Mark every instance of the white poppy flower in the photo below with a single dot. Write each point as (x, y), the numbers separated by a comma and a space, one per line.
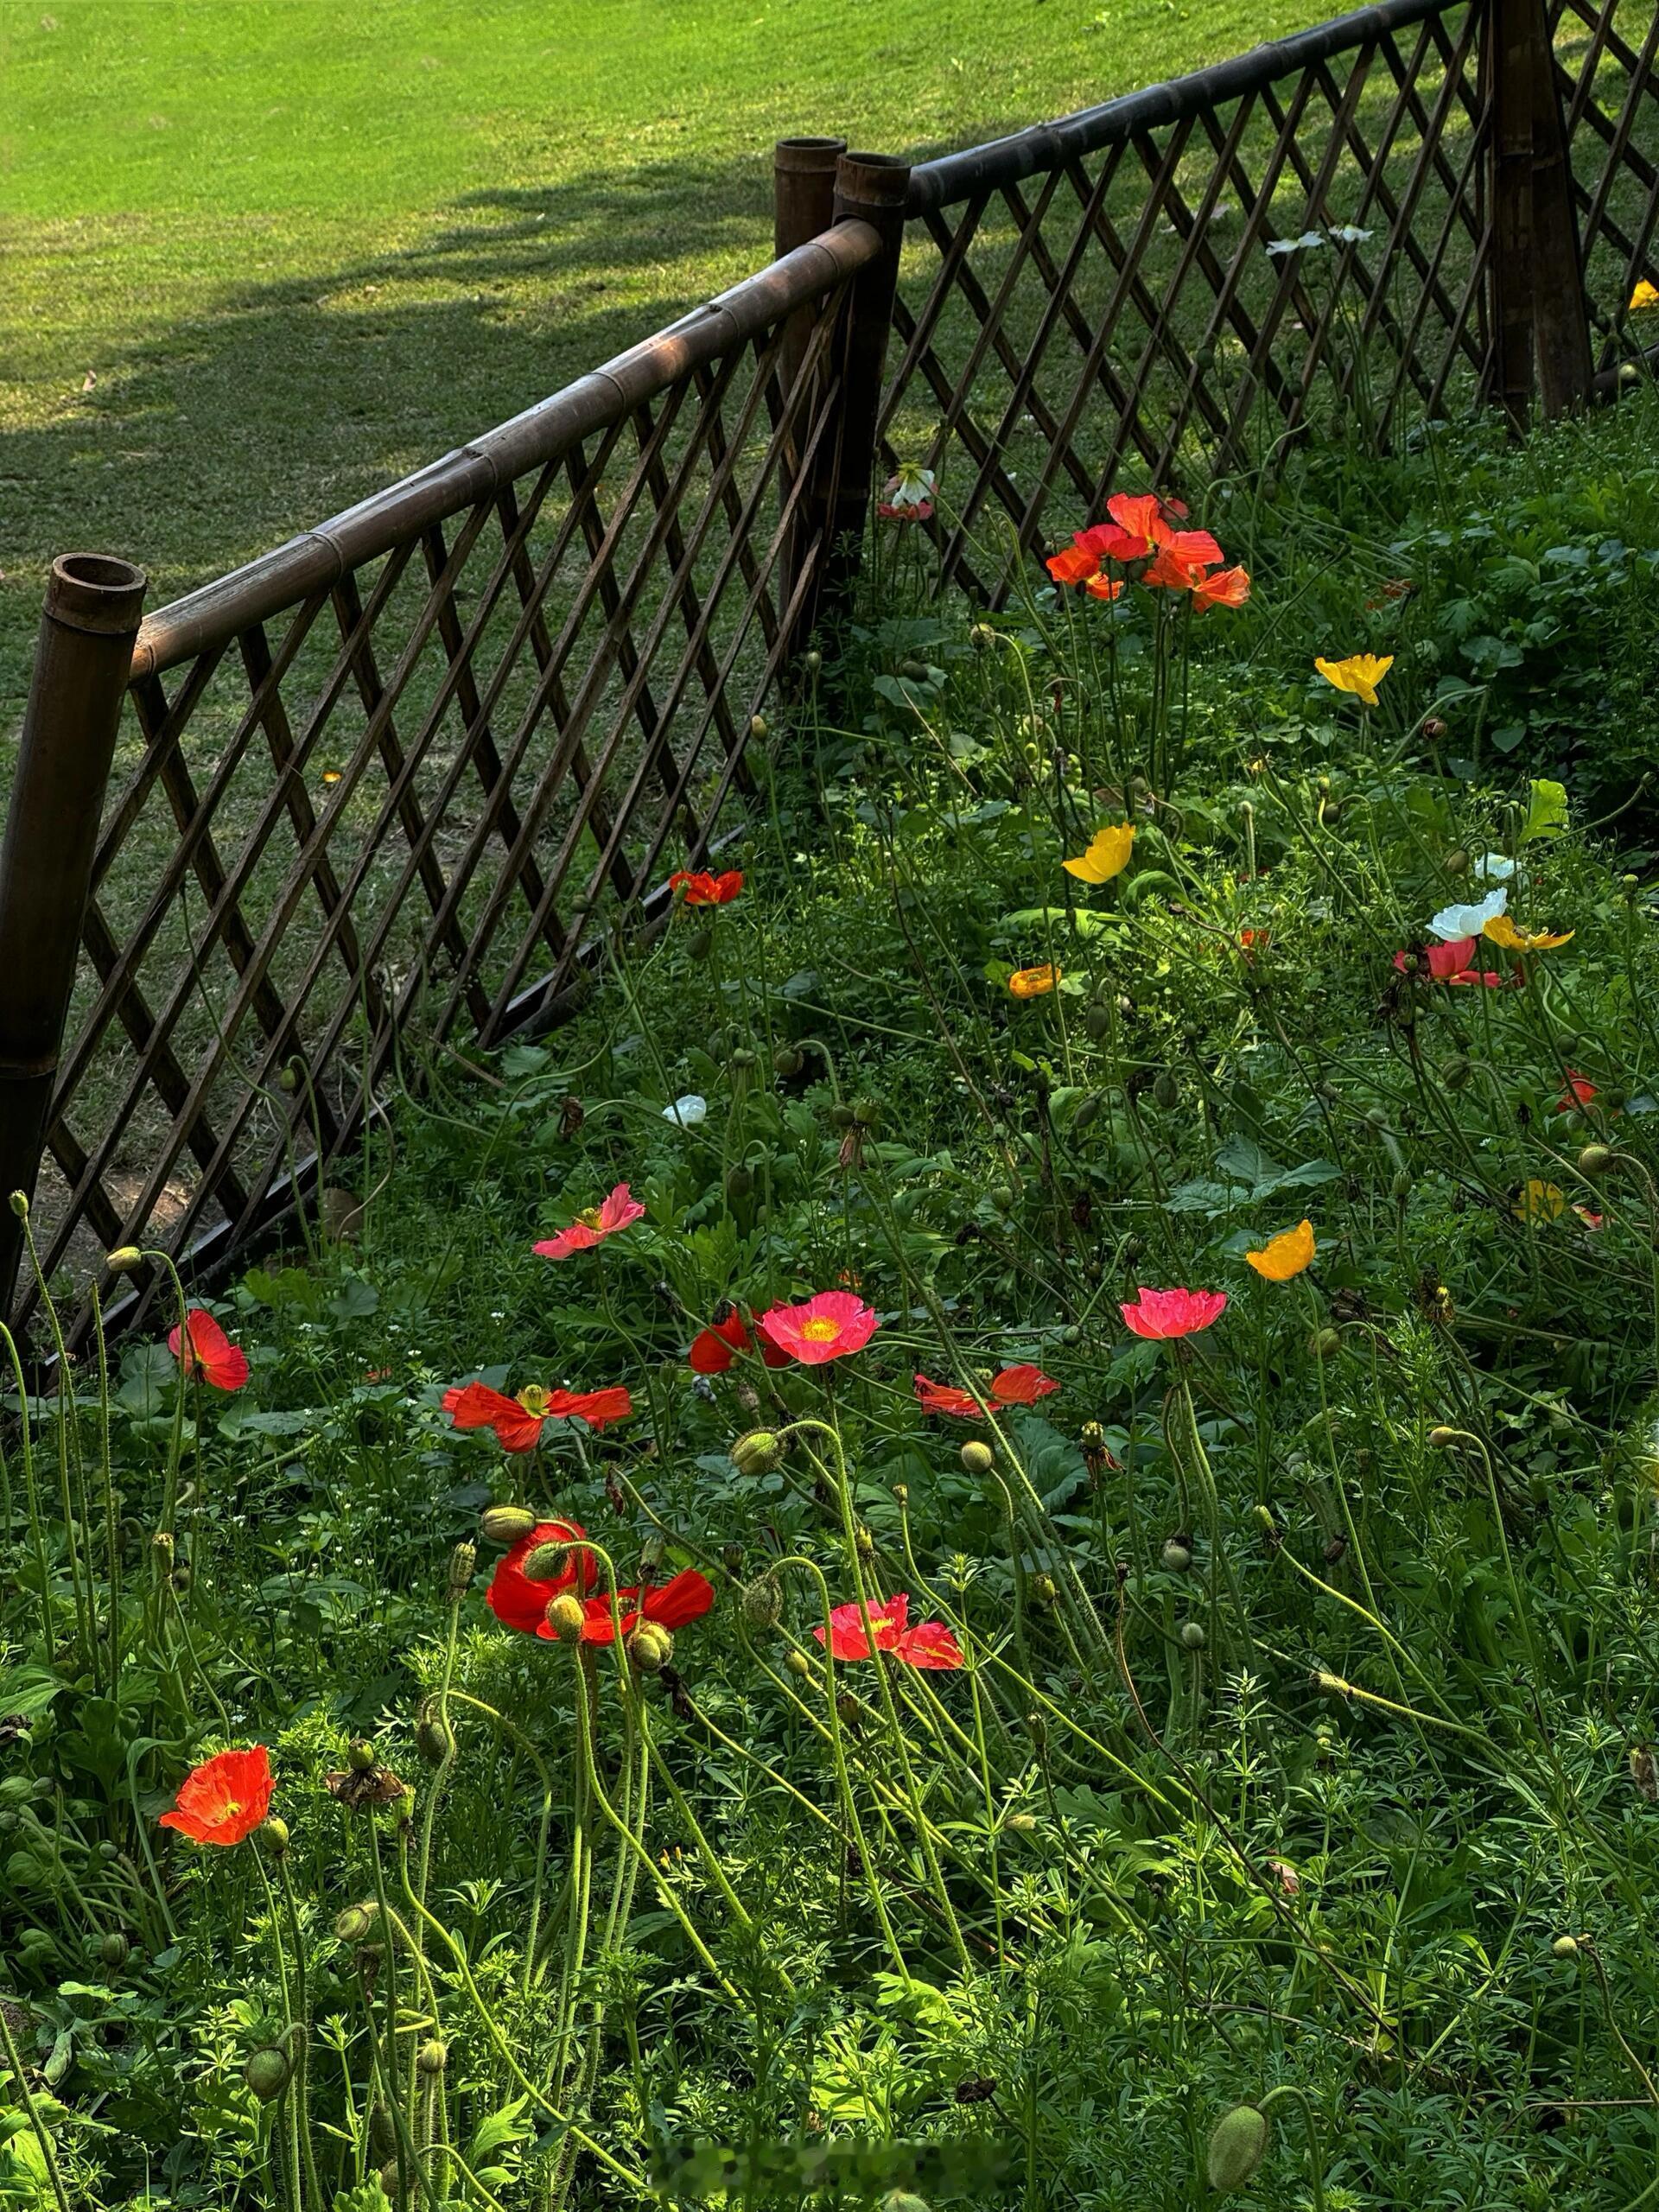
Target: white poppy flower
(1351, 234)
(1454, 922)
(1495, 867)
(688, 1113)
(1305, 243)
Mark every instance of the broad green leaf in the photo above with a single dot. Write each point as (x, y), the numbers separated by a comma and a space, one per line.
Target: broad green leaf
(1547, 815)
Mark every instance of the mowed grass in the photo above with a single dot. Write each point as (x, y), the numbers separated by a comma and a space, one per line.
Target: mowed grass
(262, 258)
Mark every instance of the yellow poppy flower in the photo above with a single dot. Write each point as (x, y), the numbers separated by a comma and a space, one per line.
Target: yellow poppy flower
(1286, 1255)
(1540, 1201)
(1360, 673)
(1032, 982)
(1108, 854)
(1502, 930)
(1644, 295)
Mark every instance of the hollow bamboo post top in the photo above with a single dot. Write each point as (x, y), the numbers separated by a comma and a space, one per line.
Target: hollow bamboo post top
(95, 592)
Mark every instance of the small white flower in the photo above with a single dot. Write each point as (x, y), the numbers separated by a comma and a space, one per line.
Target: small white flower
(1454, 922)
(1495, 867)
(1349, 234)
(688, 1113)
(1304, 244)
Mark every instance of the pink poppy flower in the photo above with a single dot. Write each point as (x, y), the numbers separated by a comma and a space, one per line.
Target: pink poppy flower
(1160, 1314)
(827, 1327)
(208, 1352)
(1449, 963)
(593, 1226)
(929, 1644)
(1015, 1386)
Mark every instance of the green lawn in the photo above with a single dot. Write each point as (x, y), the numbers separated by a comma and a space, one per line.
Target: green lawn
(261, 258)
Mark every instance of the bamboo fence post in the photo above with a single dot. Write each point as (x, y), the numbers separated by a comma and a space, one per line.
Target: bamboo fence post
(1539, 318)
(803, 205)
(82, 660)
(872, 188)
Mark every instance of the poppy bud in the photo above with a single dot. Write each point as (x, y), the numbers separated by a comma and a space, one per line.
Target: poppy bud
(565, 1617)
(272, 1832)
(901, 1491)
(1037, 1728)
(851, 1711)
(1045, 1589)
(19, 1204)
(798, 1663)
(432, 2056)
(462, 1559)
(1192, 1637)
(1097, 1021)
(1204, 360)
(115, 1950)
(1402, 1182)
(759, 1452)
(699, 944)
(763, 1603)
(1328, 1685)
(388, 2179)
(759, 729)
(743, 1061)
(1002, 1198)
(863, 1543)
(1176, 1557)
(183, 1576)
(739, 1181)
(977, 1458)
(867, 1112)
(360, 1755)
(841, 1115)
(123, 1259)
(354, 1923)
(651, 1647)
(731, 1557)
(546, 1562)
(1456, 1072)
(1087, 1113)
(1324, 1344)
(1238, 2143)
(1565, 1947)
(788, 1059)
(812, 662)
(435, 1739)
(1021, 1823)
(1165, 1089)
(1595, 1159)
(505, 1524)
(267, 2073)
(1441, 1439)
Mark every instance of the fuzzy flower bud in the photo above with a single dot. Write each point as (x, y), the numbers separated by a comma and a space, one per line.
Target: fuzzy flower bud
(354, 1923)
(1238, 2143)
(545, 1562)
(432, 2056)
(273, 1834)
(565, 1617)
(760, 1452)
(462, 1559)
(763, 1603)
(123, 1259)
(651, 1647)
(267, 2073)
(1595, 1159)
(505, 1524)
(977, 1458)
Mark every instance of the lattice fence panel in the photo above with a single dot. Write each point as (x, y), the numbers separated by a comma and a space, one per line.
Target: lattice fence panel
(1604, 55)
(398, 811)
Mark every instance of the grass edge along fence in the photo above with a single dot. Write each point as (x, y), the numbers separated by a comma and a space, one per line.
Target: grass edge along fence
(758, 424)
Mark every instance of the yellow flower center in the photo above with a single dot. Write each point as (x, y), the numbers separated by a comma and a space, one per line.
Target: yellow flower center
(590, 1219)
(533, 1399)
(880, 1620)
(228, 1811)
(820, 1329)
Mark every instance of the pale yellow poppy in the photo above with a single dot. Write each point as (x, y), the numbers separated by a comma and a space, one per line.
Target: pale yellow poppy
(1108, 854)
(1286, 1255)
(1360, 673)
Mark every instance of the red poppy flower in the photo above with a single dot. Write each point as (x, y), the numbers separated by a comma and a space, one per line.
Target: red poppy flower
(1107, 587)
(929, 1644)
(1072, 565)
(1137, 527)
(1226, 587)
(518, 1422)
(593, 1226)
(1015, 1386)
(1590, 1217)
(224, 1799)
(702, 889)
(686, 1599)
(714, 1348)
(520, 1600)
(1579, 1092)
(208, 1353)
(827, 1327)
(1162, 1313)
(1449, 963)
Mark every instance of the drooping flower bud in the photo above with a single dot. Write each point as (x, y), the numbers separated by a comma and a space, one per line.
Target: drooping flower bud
(977, 1458)
(546, 1562)
(1238, 2143)
(272, 1833)
(1595, 1159)
(1565, 1947)
(114, 1951)
(1441, 1439)
(1176, 1557)
(432, 2056)
(763, 1603)
(267, 2073)
(435, 1739)
(651, 1647)
(353, 1924)
(506, 1524)
(787, 1060)
(123, 1259)
(565, 1617)
(1192, 1637)
(798, 1663)
(759, 1452)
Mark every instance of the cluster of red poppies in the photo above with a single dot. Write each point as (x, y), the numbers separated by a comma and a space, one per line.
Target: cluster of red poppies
(1145, 541)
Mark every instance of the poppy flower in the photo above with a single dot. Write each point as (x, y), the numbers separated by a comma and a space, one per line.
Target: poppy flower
(1471, 919)
(1646, 294)
(1502, 930)
(1250, 941)
(1224, 588)
(827, 1327)
(1033, 983)
(1107, 587)
(518, 1421)
(201, 1347)
(1359, 674)
(907, 496)
(929, 1644)
(1591, 1219)
(1161, 1314)
(1449, 963)
(593, 1226)
(1141, 525)
(687, 1597)
(224, 1799)
(702, 889)
(1540, 1201)
(714, 1348)
(1579, 1092)
(1286, 1255)
(1015, 1386)
(520, 1598)
(1072, 565)
(1108, 854)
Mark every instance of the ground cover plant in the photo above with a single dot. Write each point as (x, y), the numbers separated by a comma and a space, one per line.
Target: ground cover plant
(987, 1540)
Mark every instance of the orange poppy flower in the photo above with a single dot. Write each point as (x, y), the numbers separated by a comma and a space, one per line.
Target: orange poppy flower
(518, 1422)
(1015, 1386)
(1107, 587)
(1286, 1255)
(1032, 982)
(1226, 587)
(224, 1799)
(201, 1347)
(702, 889)
(1072, 565)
